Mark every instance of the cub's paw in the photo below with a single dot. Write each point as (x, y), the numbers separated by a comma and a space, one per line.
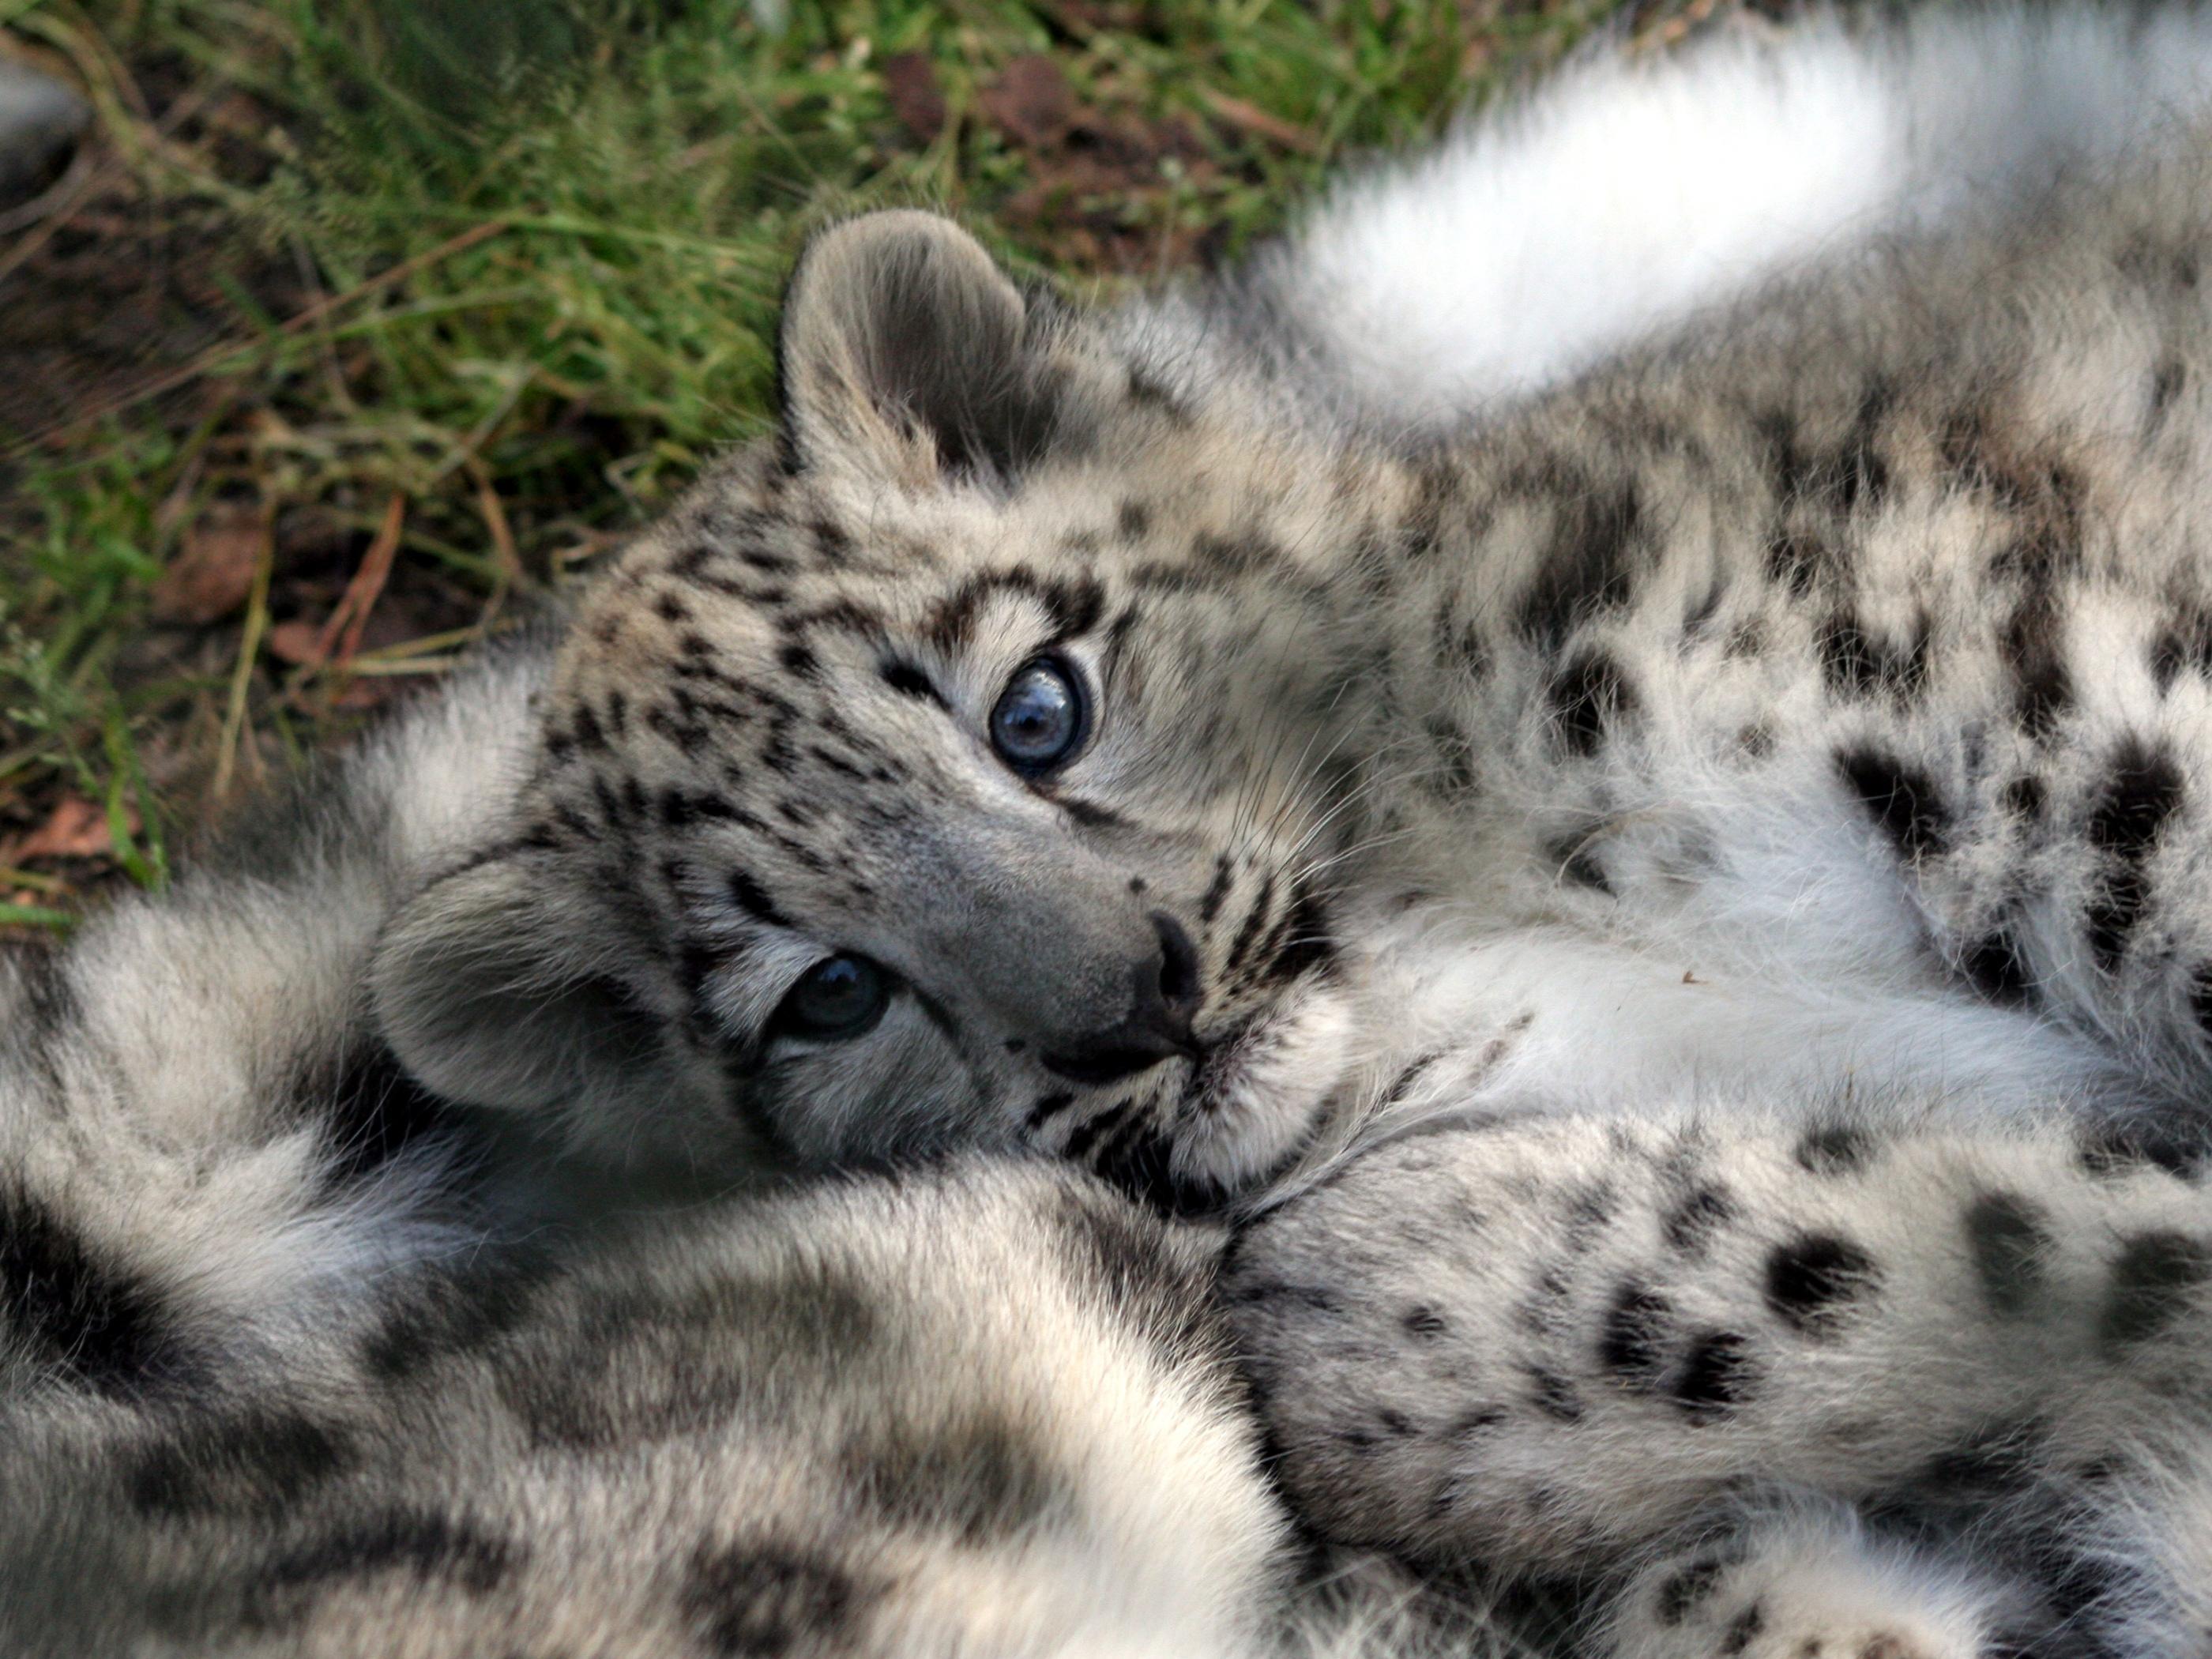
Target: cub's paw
(1458, 1351)
(1808, 1583)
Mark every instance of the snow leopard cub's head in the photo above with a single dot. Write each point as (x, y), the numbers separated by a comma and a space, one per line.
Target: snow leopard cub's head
(955, 769)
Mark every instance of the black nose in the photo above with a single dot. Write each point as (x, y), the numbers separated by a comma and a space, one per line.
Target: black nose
(1158, 1025)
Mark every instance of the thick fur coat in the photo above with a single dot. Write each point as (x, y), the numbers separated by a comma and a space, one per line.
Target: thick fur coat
(1518, 897)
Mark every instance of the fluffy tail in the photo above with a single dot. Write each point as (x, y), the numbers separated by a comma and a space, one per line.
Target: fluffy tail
(198, 1136)
(1623, 195)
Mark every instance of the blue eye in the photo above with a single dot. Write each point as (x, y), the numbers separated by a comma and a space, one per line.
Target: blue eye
(1040, 720)
(837, 998)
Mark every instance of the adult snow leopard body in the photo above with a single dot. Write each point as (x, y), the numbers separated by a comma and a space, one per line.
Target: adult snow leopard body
(1715, 707)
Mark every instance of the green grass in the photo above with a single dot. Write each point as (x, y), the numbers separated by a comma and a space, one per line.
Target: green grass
(503, 277)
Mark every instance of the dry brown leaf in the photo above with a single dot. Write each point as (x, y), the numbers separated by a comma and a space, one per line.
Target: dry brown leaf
(213, 570)
(358, 602)
(74, 830)
(368, 692)
(295, 642)
(910, 84)
(1030, 101)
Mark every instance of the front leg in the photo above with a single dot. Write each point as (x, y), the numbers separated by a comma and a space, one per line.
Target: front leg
(1543, 1344)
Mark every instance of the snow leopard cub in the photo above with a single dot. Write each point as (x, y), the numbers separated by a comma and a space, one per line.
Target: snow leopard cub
(1072, 736)
(1045, 744)
(824, 1423)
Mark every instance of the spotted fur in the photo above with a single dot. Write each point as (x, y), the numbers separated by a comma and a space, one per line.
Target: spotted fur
(1805, 694)
(1942, 1399)
(554, 1471)
(1653, 890)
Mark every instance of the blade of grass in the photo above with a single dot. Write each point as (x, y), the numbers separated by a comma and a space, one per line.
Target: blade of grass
(374, 668)
(425, 646)
(148, 864)
(35, 915)
(241, 679)
(508, 559)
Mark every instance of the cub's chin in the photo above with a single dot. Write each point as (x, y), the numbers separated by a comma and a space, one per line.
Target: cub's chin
(1265, 1095)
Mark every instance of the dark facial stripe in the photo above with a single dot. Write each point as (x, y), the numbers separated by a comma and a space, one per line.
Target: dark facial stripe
(752, 898)
(1087, 1135)
(1138, 1160)
(1073, 606)
(1216, 891)
(1299, 941)
(1090, 815)
(906, 679)
(1047, 1109)
(1255, 920)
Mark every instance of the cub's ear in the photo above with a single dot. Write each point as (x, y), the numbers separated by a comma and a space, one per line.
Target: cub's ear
(906, 353)
(494, 987)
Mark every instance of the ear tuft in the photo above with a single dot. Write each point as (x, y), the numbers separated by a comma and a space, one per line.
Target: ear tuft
(906, 350)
